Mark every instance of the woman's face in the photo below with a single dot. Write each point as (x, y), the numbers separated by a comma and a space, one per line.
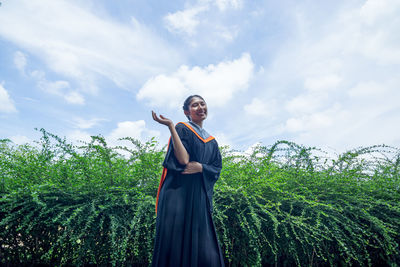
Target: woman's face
(197, 110)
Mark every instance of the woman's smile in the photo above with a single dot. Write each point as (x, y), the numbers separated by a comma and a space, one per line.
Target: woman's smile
(197, 110)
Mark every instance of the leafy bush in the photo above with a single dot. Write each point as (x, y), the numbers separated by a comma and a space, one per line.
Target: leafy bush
(286, 205)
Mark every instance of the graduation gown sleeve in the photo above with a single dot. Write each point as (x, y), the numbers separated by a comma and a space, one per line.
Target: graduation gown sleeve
(170, 161)
(211, 173)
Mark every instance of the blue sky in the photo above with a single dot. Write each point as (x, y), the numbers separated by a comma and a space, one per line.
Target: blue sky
(319, 73)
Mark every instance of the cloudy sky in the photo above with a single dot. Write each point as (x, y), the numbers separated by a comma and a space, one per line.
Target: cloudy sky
(319, 73)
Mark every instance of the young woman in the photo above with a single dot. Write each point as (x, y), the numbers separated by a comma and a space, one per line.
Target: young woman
(185, 232)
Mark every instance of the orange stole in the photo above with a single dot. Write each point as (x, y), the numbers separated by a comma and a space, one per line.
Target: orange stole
(194, 131)
(164, 173)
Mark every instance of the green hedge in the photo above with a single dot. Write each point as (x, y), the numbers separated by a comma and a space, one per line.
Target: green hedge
(284, 205)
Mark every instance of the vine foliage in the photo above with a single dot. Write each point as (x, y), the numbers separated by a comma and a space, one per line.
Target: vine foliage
(282, 205)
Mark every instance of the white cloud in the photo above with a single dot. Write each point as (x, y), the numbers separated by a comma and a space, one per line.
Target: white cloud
(316, 94)
(216, 83)
(80, 45)
(6, 103)
(184, 21)
(222, 5)
(55, 88)
(134, 129)
(85, 124)
(368, 115)
(346, 128)
(74, 97)
(259, 107)
(225, 4)
(20, 61)
(305, 103)
(163, 90)
(317, 120)
(223, 139)
(78, 135)
(367, 89)
(59, 88)
(225, 33)
(20, 139)
(373, 30)
(325, 82)
(336, 81)
(373, 10)
(200, 18)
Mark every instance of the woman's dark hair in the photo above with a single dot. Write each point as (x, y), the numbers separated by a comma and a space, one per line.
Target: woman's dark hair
(186, 104)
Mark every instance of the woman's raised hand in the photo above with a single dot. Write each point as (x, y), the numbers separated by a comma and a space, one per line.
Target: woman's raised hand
(179, 150)
(162, 119)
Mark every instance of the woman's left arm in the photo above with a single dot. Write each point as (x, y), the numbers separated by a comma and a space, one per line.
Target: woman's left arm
(212, 169)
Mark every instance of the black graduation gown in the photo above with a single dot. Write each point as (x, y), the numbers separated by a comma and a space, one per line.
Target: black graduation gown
(185, 232)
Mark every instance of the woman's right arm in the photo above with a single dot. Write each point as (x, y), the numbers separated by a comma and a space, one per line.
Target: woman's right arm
(179, 149)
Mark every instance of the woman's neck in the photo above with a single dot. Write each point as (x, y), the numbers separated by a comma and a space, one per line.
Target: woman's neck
(200, 123)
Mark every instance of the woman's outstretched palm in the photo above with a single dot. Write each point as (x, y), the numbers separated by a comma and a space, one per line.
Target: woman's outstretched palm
(161, 119)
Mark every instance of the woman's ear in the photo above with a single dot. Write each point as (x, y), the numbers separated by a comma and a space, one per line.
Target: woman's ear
(187, 113)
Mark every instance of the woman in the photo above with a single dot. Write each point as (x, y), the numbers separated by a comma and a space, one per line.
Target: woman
(185, 232)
